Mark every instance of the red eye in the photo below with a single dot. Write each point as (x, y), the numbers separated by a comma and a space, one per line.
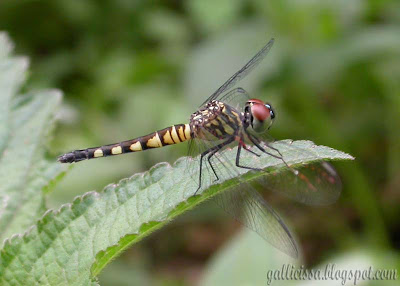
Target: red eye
(259, 110)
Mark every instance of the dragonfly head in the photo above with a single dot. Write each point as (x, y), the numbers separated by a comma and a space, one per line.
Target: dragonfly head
(260, 113)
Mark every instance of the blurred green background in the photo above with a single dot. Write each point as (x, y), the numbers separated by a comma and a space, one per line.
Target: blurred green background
(128, 68)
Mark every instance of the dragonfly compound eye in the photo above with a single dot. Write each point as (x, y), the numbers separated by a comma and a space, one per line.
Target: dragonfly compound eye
(271, 110)
(262, 115)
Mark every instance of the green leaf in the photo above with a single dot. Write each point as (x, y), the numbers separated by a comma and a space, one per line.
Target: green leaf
(25, 122)
(11, 76)
(72, 245)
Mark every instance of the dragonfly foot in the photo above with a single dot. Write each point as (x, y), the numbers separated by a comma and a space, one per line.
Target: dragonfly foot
(198, 189)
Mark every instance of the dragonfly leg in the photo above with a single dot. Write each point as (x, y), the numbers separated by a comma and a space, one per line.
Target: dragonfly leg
(276, 150)
(279, 152)
(238, 158)
(212, 167)
(257, 144)
(251, 151)
(212, 150)
(201, 168)
(254, 141)
(280, 157)
(212, 153)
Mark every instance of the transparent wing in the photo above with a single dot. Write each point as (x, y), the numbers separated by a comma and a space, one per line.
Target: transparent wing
(243, 72)
(247, 206)
(315, 184)
(312, 184)
(236, 98)
(242, 201)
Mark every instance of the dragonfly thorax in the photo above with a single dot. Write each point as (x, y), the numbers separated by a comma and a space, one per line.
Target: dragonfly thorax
(216, 119)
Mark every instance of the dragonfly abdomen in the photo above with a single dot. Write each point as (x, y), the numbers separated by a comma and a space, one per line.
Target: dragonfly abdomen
(168, 136)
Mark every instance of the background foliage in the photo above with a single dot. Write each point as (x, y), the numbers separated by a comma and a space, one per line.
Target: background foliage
(130, 67)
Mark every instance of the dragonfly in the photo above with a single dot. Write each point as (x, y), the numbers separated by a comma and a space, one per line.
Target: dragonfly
(230, 117)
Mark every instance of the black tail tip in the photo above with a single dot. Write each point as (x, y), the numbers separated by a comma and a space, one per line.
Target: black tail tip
(66, 158)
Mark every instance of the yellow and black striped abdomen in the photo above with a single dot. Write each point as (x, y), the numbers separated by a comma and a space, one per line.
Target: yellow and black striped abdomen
(167, 136)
